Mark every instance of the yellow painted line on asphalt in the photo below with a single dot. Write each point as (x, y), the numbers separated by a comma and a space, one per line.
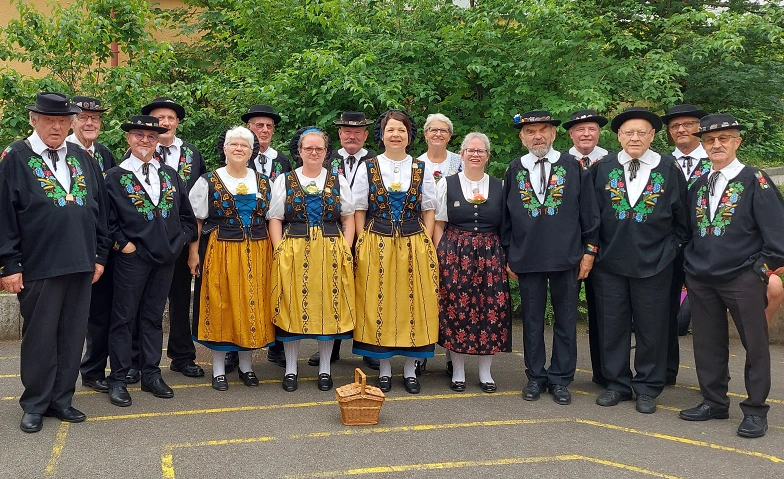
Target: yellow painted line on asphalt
(682, 440)
(730, 394)
(57, 450)
(167, 459)
(4, 376)
(2, 358)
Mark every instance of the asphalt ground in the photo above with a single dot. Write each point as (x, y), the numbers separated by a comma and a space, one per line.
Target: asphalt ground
(267, 432)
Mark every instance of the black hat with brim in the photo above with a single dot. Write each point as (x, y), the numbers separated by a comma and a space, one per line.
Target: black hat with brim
(164, 102)
(261, 110)
(682, 110)
(143, 122)
(584, 116)
(633, 113)
(88, 103)
(718, 122)
(353, 118)
(53, 104)
(533, 117)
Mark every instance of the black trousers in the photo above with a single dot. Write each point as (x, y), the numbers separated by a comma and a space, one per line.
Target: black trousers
(563, 297)
(181, 349)
(593, 332)
(673, 348)
(55, 312)
(96, 351)
(144, 286)
(618, 299)
(746, 298)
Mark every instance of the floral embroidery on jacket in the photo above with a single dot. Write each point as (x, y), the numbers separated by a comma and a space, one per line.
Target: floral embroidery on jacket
(724, 212)
(703, 168)
(52, 187)
(553, 196)
(645, 205)
(337, 166)
(186, 164)
(141, 200)
(761, 180)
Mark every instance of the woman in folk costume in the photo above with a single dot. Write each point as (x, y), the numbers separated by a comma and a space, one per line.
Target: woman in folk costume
(311, 222)
(231, 205)
(396, 266)
(474, 309)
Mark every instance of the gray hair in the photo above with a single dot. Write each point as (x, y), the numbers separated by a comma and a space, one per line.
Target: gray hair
(438, 117)
(34, 117)
(474, 135)
(239, 132)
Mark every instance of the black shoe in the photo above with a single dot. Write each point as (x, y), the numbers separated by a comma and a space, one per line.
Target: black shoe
(249, 379)
(133, 376)
(31, 422)
(532, 390)
(458, 386)
(290, 382)
(449, 368)
(420, 367)
(98, 385)
(412, 385)
(385, 383)
(371, 362)
(488, 387)
(646, 404)
(191, 370)
(119, 396)
(612, 398)
(231, 362)
(219, 383)
(69, 414)
(324, 382)
(753, 426)
(159, 388)
(561, 394)
(277, 358)
(704, 412)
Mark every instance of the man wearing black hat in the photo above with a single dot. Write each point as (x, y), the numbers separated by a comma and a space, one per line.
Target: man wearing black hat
(86, 128)
(150, 220)
(53, 245)
(549, 233)
(187, 161)
(736, 217)
(643, 224)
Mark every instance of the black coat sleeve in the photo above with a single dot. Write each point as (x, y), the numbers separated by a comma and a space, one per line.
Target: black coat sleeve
(187, 218)
(680, 212)
(768, 211)
(506, 219)
(10, 235)
(589, 213)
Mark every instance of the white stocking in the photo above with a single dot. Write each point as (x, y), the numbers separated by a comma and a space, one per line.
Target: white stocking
(291, 350)
(484, 369)
(384, 367)
(245, 361)
(458, 367)
(218, 364)
(325, 353)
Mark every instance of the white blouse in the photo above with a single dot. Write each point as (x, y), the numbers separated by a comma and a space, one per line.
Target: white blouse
(277, 208)
(392, 172)
(451, 165)
(467, 186)
(201, 190)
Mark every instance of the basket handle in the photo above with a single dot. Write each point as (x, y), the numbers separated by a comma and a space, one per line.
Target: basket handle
(358, 373)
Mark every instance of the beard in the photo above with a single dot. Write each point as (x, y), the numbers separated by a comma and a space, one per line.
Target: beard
(539, 150)
(143, 151)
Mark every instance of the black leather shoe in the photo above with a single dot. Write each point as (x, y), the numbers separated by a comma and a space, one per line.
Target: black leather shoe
(119, 396)
(249, 379)
(191, 370)
(31, 422)
(219, 383)
(290, 382)
(449, 368)
(277, 358)
(753, 426)
(159, 388)
(646, 404)
(412, 385)
(420, 366)
(704, 412)
(612, 398)
(561, 394)
(133, 376)
(488, 387)
(385, 383)
(231, 362)
(98, 385)
(458, 386)
(69, 414)
(372, 363)
(532, 390)
(324, 382)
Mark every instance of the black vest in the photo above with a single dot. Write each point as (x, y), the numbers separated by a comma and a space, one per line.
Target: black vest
(380, 210)
(296, 214)
(481, 218)
(224, 216)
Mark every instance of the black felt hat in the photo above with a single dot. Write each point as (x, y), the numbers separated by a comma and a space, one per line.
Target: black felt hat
(164, 102)
(353, 118)
(88, 103)
(532, 117)
(718, 122)
(143, 122)
(636, 112)
(584, 116)
(53, 104)
(683, 110)
(261, 110)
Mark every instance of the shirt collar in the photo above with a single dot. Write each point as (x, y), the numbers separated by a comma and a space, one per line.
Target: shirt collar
(362, 152)
(594, 155)
(137, 164)
(730, 171)
(646, 157)
(75, 140)
(38, 145)
(177, 143)
(271, 153)
(552, 156)
(698, 153)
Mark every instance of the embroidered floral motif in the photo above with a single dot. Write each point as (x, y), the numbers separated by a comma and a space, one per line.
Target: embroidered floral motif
(99, 158)
(141, 200)
(553, 196)
(703, 168)
(725, 210)
(186, 164)
(437, 175)
(52, 187)
(337, 166)
(645, 205)
(761, 180)
(4, 153)
(276, 171)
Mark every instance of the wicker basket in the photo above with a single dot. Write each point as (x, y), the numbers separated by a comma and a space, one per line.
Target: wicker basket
(360, 404)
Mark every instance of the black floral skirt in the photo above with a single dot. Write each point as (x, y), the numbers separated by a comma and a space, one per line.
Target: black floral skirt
(474, 309)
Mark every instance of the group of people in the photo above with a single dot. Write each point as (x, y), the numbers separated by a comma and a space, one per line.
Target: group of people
(393, 252)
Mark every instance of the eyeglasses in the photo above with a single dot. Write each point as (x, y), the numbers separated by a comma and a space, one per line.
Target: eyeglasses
(475, 151)
(586, 129)
(442, 131)
(86, 118)
(686, 124)
(313, 149)
(151, 137)
(240, 146)
(260, 124)
(639, 133)
(723, 139)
